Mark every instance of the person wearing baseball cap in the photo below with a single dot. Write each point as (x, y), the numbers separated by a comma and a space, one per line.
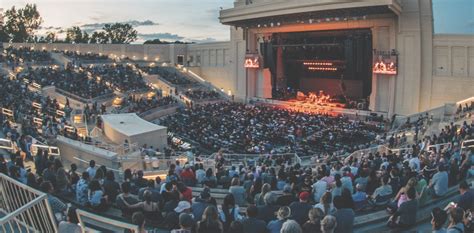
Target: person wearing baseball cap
(300, 209)
(172, 218)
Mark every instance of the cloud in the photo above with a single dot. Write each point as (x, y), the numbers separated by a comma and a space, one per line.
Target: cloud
(206, 40)
(161, 36)
(134, 23)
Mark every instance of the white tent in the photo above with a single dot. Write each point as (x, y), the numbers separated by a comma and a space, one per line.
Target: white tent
(130, 127)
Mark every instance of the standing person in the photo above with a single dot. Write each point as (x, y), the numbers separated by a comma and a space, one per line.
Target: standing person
(73, 176)
(91, 169)
(210, 222)
(283, 214)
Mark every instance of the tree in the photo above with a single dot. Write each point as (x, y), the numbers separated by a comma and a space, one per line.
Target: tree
(76, 35)
(98, 38)
(119, 33)
(50, 37)
(20, 24)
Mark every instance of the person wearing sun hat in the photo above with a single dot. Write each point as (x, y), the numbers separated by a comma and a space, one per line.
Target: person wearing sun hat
(300, 209)
(282, 215)
(172, 218)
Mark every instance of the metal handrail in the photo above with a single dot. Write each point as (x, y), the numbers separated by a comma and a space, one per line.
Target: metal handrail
(29, 207)
(81, 214)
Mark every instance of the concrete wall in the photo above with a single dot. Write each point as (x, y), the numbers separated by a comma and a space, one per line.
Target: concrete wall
(213, 62)
(139, 52)
(80, 154)
(453, 68)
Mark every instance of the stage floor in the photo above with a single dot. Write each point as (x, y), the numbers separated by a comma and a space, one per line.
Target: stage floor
(314, 108)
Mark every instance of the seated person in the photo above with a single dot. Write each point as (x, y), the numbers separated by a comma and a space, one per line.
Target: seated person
(405, 216)
(383, 192)
(466, 201)
(128, 197)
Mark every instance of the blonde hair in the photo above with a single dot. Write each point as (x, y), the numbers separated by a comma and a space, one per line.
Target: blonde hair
(328, 224)
(291, 226)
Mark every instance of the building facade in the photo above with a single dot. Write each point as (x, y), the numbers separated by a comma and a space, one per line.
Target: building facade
(432, 69)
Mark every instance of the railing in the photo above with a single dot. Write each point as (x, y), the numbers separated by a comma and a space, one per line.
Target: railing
(25, 209)
(232, 159)
(158, 108)
(84, 100)
(96, 223)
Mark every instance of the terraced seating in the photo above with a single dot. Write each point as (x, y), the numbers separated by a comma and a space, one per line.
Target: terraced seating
(376, 221)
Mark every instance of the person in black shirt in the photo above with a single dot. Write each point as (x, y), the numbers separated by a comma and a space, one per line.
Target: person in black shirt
(300, 209)
(466, 201)
(287, 198)
(252, 224)
(3, 165)
(111, 187)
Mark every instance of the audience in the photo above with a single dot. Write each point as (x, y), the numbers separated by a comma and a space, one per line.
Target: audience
(257, 129)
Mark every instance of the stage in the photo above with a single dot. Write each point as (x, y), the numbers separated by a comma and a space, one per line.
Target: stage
(314, 108)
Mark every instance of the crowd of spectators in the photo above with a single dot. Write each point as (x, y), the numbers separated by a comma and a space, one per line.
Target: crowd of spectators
(279, 195)
(15, 56)
(143, 104)
(200, 94)
(77, 56)
(170, 74)
(121, 77)
(241, 128)
(51, 118)
(70, 79)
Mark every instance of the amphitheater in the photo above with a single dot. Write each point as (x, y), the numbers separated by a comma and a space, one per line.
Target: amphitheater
(148, 112)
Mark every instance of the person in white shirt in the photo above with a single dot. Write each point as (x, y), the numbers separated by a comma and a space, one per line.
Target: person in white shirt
(414, 163)
(91, 169)
(319, 188)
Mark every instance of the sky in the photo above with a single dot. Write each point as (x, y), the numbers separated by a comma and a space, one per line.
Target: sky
(191, 20)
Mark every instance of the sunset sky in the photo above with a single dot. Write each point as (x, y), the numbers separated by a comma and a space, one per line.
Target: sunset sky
(191, 20)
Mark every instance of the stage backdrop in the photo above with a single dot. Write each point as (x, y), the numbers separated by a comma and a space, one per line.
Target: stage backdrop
(354, 88)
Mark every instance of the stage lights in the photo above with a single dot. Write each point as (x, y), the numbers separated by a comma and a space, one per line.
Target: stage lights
(317, 63)
(312, 68)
